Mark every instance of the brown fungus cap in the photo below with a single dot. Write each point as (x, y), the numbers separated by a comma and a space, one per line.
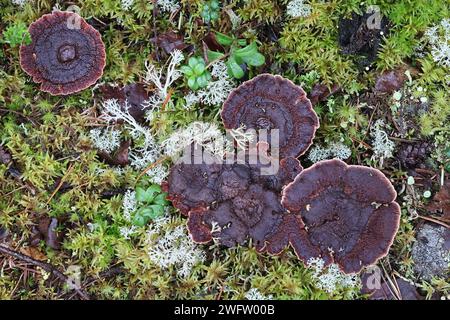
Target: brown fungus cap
(66, 54)
(291, 231)
(348, 211)
(232, 202)
(192, 186)
(273, 102)
(254, 214)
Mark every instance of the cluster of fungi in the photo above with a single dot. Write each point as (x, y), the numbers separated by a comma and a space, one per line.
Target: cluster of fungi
(66, 54)
(343, 214)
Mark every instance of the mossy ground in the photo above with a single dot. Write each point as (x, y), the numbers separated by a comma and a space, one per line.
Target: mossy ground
(48, 140)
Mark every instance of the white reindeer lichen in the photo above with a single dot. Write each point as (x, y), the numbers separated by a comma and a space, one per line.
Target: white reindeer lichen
(155, 75)
(129, 204)
(126, 4)
(255, 294)
(168, 5)
(203, 134)
(208, 136)
(173, 247)
(147, 151)
(20, 3)
(331, 278)
(106, 140)
(383, 148)
(298, 8)
(334, 150)
(439, 38)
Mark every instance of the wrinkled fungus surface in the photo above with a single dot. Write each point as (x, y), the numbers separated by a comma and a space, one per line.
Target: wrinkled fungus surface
(231, 202)
(66, 55)
(254, 214)
(349, 213)
(192, 186)
(273, 102)
(291, 231)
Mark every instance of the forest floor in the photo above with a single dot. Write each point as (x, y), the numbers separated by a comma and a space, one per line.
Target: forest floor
(73, 179)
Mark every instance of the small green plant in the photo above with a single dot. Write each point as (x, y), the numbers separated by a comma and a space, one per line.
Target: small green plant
(151, 203)
(308, 80)
(197, 74)
(239, 54)
(16, 35)
(210, 11)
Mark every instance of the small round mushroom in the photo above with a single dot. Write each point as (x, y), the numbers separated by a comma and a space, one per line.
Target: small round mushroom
(273, 102)
(348, 211)
(66, 54)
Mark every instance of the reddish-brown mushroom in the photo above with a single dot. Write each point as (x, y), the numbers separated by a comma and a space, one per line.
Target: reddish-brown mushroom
(348, 211)
(192, 186)
(232, 202)
(291, 231)
(254, 214)
(66, 54)
(273, 102)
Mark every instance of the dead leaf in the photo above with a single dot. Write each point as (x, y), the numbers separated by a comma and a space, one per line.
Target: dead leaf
(34, 253)
(388, 291)
(211, 42)
(134, 94)
(121, 155)
(390, 81)
(119, 158)
(321, 92)
(170, 41)
(48, 229)
(3, 233)
(441, 201)
(5, 156)
(112, 92)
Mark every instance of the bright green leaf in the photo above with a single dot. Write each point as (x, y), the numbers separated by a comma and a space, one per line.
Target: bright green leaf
(140, 194)
(247, 51)
(199, 68)
(223, 39)
(193, 62)
(202, 81)
(187, 70)
(214, 55)
(192, 83)
(242, 42)
(161, 199)
(234, 69)
(256, 60)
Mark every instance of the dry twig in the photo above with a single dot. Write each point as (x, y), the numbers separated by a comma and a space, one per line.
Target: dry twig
(45, 266)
